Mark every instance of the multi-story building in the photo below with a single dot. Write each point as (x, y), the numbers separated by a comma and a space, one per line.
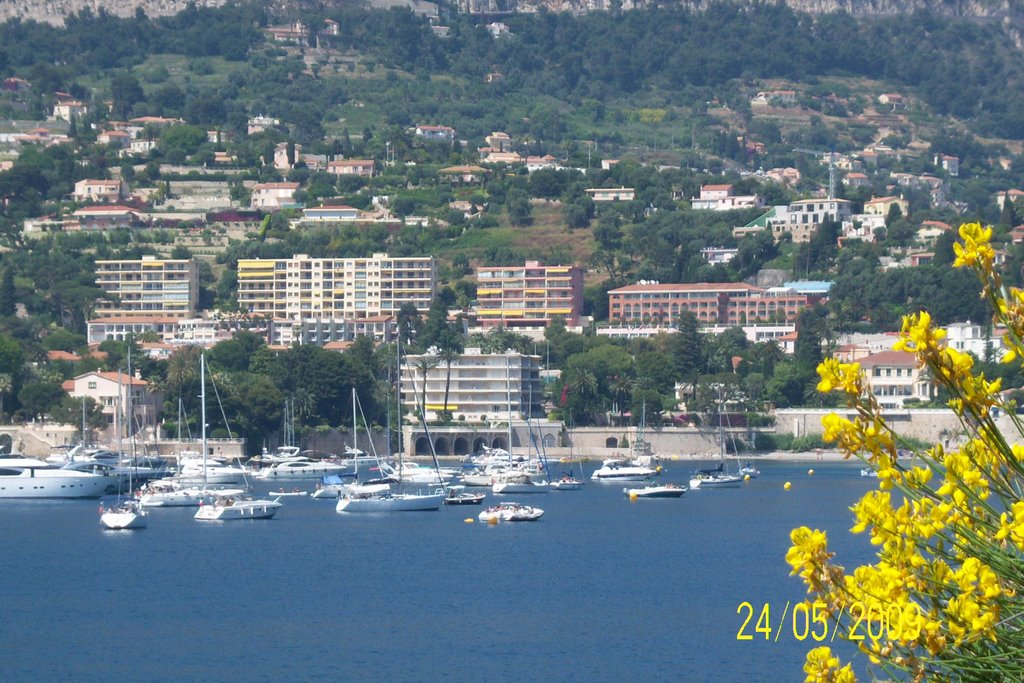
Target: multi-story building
(726, 303)
(801, 219)
(274, 196)
(482, 387)
(360, 167)
(721, 198)
(110, 390)
(321, 331)
(347, 288)
(894, 376)
(148, 286)
(528, 296)
(98, 191)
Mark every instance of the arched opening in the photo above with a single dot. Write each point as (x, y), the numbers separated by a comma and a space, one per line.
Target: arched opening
(479, 444)
(422, 446)
(611, 442)
(499, 442)
(549, 441)
(460, 446)
(442, 446)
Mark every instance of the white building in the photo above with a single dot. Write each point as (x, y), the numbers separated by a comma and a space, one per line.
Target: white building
(482, 386)
(721, 198)
(90, 190)
(894, 376)
(983, 343)
(110, 391)
(274, 196)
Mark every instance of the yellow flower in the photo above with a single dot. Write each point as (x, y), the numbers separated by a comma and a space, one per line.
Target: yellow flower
(918, 335)
(823, 667)
(976, 248)
(836, 375)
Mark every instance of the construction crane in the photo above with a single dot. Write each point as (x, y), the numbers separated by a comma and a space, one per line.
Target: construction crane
(831, 166)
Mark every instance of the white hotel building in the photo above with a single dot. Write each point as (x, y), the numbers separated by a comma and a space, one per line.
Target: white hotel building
(482, 386)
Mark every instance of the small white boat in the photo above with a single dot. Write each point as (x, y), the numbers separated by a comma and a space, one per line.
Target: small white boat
(620, 469)
(128, 515)
(566, 483)
(869, 472)
(226, 508)
(169, 493)
(748, 470)
(656, 491)
(293, 493)
(518, 483)
(391, 502)
(508, 511)
(458, 495)
(715, 480)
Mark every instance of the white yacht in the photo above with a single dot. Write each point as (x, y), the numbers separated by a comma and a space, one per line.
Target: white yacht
(391, 502)
(169, 493)
(303, 468)
(414, 473)
(226, 508)
(714, 479)
(518, 483)
(128, 515)
(620, 469)
(508, 511)
(210, 473)
(32, 478)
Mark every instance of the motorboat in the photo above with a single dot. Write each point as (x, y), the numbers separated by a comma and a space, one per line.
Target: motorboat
(301, 469)
(211, 473)
(507, 511)
(622, 470)
(129, 514)
(32, 478)
(656, 491)
(458, 495)
(869, 472)
(295, 492)
(518, 483)
(226, 508)
(414, 473)
(169, 493)
(390, 502)
(748, 470)
(332, 486)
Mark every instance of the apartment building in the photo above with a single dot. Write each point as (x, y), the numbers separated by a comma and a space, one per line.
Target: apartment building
(346, 288)
(148, 287)
(725, 303)
(528, 296)
(110, 391)
(894, 376)
(482, 387)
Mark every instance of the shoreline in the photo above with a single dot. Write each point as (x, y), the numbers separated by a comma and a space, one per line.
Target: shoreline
(829, 456)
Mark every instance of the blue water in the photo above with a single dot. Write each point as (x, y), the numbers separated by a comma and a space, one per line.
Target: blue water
(601, 589)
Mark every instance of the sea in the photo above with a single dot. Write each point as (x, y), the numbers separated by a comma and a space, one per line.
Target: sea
(600, 589)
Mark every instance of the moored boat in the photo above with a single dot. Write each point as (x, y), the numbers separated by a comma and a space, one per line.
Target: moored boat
(656, 491)
(127, 515)
(507, 511)
(31, 478)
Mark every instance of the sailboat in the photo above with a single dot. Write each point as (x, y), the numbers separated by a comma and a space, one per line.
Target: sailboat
(228, 505)
(716, 477)
(127, 514)
(518, 479)
(171, 492)
(386, 501)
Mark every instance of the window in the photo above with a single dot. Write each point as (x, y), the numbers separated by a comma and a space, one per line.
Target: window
(92, 385)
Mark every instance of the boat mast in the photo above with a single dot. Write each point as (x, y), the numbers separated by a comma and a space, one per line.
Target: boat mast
(508, 398)
(355, 433)
(202, 384)
(398, 386)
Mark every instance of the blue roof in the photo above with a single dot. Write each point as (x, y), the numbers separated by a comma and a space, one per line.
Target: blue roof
(809, 286)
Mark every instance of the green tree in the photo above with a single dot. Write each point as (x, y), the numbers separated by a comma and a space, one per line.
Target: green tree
(6, 385)
(7, 293)
(37, 398)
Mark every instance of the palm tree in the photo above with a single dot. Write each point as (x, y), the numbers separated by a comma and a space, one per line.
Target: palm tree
(448, 355)
(424, 364)
(620, 386)
(6, 384)
(583, 384)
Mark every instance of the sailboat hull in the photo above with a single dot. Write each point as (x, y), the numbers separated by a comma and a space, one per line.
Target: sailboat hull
(398, 502)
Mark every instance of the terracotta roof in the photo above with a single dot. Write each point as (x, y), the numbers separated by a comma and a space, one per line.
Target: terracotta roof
(694, 286)
(57, 354)
(116, 320)
(715, 188)
(894, 358)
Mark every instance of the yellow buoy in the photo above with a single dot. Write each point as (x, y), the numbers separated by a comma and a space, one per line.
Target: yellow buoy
(493, 519)
(658, 468)
(810, 472)
(468, 520)
(633, 497)
(746, 477)
(787, 486)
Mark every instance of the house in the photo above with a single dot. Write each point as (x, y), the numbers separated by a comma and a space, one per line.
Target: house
(921, 258)
(281, 162)
(115, 138)
(273, 196)
(784, 176)
(856, 179)
(66, 110)
(502, 158)
(359, 167)
(499, 141)
(258, 124)
(721, 198)
(984, 343)
(142, 147)
(537, 163)
(498, 29)
(1017, 234)
(611, 194)
(881, 206)
(894, 376)
(775, 98)
(15, 84)
(107, 217)
(893, 100)
(716, 255)
(862, 227)
(90, 190)
(949, 164)
(156, 121)
(331, 28)
(110, 391)
(329, 214)
(224, 158)
(464, 174)
(295, 33)
(931, 230)
(800, 219)
(1012, 195)
(435, 132)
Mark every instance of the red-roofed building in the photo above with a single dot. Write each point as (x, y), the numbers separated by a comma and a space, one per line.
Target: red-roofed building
(58, 355)
(90, 190)
(109, 390)
(360, 167)
(107, 217)
(727, 303)
(274, 196)
(894, 376)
